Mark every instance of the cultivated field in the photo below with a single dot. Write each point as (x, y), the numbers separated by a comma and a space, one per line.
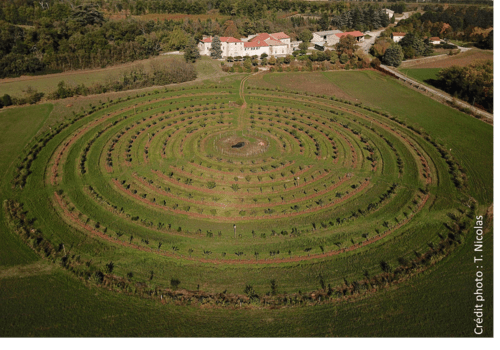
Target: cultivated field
(461, 59)
(332, 180)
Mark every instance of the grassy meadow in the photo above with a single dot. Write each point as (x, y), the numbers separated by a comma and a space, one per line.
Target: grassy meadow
(206, 68)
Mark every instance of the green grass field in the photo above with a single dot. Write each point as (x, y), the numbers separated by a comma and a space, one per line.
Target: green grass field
(410, 308)
(422, 75)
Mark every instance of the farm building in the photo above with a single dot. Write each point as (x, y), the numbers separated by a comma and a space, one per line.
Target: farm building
(360, 37)
(389, 13)
(277, 44)
(397, 36)
(327, 37)
(435, 40)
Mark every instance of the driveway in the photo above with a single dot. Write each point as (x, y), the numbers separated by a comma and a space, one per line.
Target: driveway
(367, 43)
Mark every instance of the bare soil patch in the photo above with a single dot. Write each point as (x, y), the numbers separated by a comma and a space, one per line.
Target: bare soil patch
(239, 146)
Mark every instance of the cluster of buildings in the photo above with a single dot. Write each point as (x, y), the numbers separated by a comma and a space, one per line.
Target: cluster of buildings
(280, 44)
(275, 44)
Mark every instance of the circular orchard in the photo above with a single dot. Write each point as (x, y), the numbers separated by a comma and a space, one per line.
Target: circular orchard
(222, 188)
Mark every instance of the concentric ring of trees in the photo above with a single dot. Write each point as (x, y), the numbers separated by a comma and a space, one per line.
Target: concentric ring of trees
(321, 191)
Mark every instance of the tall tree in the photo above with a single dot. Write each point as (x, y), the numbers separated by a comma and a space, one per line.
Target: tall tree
(216, 50)
(393, 56)
(191, 52)
(324, 22)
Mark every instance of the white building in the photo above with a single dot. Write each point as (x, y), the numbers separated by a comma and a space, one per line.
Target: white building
(360, 37)
(230, 46)
(390, 13)
(397, 36)
(435, 40)
(276, 44)
(327, 37)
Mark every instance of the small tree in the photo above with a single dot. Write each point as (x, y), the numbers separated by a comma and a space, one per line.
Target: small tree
(344, 58)
(305, 35)
(248, 63)
(334, 58)
(303, 46)
(174, 283)
(216, 50)
(110, 267)
(272, 61)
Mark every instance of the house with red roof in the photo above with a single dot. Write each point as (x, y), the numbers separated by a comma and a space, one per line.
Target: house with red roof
(275, 44)
(360, 37)
(397, 36)
(230, 46)
(435, 40)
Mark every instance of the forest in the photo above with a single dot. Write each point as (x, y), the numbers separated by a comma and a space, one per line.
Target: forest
(53, 36)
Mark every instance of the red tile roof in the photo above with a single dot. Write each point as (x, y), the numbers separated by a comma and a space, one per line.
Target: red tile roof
(398, 34)
(257, 43)
(225, 39)
(260, 36)
(274, 36)
(280, 35)
(270, 41)
(355, 34)
(434, 38)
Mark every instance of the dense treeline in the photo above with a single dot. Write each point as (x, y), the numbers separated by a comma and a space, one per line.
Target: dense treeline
(472, 83)
(64, 37)
(55, 36)
(172, 71)
(459, 17)
(27, 11)
(464, 23)
(361, 19)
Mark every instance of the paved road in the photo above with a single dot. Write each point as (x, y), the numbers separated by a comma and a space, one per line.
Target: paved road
(367, 43)
(423, 88)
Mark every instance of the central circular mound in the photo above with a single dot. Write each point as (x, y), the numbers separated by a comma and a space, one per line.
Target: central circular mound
(286, 178)
(241, 144)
